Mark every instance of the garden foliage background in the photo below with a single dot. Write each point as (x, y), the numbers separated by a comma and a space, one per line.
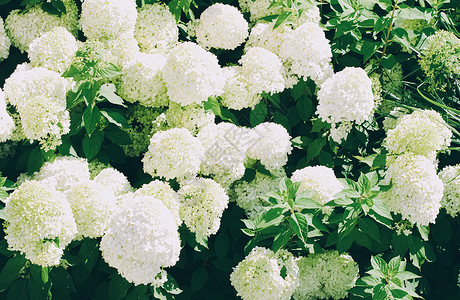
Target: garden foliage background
(386, 38)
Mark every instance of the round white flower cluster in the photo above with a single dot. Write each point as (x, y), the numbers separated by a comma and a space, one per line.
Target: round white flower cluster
(6, 121)
(326, 275)
(38, 219)
(108, 19)
(225, 147)
(163, 192)
(416, 190)
(192, 74)
(24, 27)
(191, 117)
(174, 153)
(249, 195)
(450, 176)
(320, 179)
(262, 70)
(93, 204)
(237, 93)
(114, 180)
(5, 42)
(266, 36)
(123, 49)
(141, 239)
(54, 50)
(221, 26)
(259, 275)
(308, 52)
(270, 143)
(421, 133)
(202, 203)
(141, 80)
(156, 28)
(39, 95)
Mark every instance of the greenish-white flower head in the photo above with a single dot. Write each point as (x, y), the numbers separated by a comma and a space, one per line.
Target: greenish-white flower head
(6, 121)
(114, 180)
(191, 117)
(237, 92)
(5, 42)
(450, 177)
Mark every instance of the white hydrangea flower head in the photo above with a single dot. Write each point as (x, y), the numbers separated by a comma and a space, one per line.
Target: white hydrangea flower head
(221, 26)
(225, 147)
(5, 42)
(259, 275)
(416, 189)
(174, 153)
(327, 275)
(421, 133)
(54, 50)
(37, 217)
(191, 117)
(24, 27)
(346, 97)
(270, 143)
(263, 71)
(163, 192)
(114, 180)
(249, 195)
(266, 36)
(192, 74)
(123, 49)
(141, 239)
(320, 179)
(93, 204)
(141, 80)
(308, 51)
(156, 29)
(63, 172)
(340, 131)
(39, 95)
(202, 203)
(237, 92)
(450, 176)
(108, 19)
(6, 121)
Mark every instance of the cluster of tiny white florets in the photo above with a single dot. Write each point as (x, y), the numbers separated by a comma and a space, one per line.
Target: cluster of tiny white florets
(108, 19)
(63, 172)
(250, 195)
(270, 143)
(39, 95)
(93, 204)
(156, 28)
(202, 203)
(141, 80)
(174, 153)
(123, 49)
(320, 179)
(24, 27)
(225, 147)
(5, 42)
(308, 52)
(327, 275)
(421, 133)
(163, 192)
(38, 220)
(54, 50)
(450, 177)
(266, 36)
(141, 239)
(192, 117)
(114, 180)
(237, 93)
(260, 275)
(221, 26)
(340, 131)
(416, 190)
(192, 74)
(262, 70)
(6, 121)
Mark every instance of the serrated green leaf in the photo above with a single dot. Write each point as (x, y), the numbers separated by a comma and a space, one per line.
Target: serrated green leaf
(114, 116)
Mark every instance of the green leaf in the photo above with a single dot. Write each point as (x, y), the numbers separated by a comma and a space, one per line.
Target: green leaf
(281, 18)
(406, 275)
(380, 212)
(171, 286)
(198, 279)
(378, 263)
(110, 71)
(299, 226)
(274, 99)
(213, 105)
(364, 184)
(114, 116)
(35, 160)
(424, 231)
(272, 217)
(118, 287)
(388, 61)
(62, 280)
(138, 293)
(304, 107)
(368, 49)
(394, 263)
(59, 6)
(315, 148)
(221, 245)
(11, 271)
(92, 145)
(108, 92)
(91, 118)
(398, 294)
(18, 290)
(306, 203)
(298, 90)
(370, 228)
(118, 136)
(258, 114)
(281, 239)
(49, 8)
(89, 251)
